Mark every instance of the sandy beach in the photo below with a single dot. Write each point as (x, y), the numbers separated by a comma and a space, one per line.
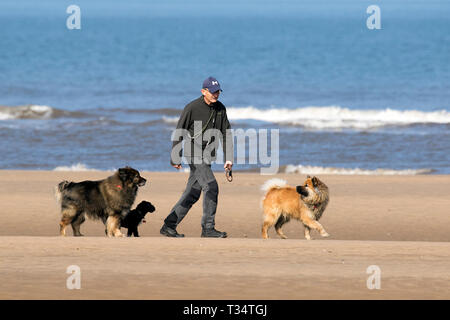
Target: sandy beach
(399, 223)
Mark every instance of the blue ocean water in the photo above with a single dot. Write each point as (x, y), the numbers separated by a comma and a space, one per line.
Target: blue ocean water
(343, 97)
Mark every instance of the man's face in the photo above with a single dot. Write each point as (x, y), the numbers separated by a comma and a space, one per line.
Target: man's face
(210, 97)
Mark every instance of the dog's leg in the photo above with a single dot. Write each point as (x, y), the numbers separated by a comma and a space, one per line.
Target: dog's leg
(76, 225)
(322, 231)
(313, 224)
(135, 232)
(116, 229)
(109, 224)
(104, 219)
(62, 227)
(266, 225)
(269, 220)
(324, 234)
(307, 230)
(68, 214)
(112, 226)
(281, 220)
(130, 231)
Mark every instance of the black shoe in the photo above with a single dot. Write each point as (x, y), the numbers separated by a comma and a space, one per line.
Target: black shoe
(170, 232)
(213, 233)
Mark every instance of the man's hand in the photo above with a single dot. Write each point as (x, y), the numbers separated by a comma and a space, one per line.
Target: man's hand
(177, 166)
(228, 165)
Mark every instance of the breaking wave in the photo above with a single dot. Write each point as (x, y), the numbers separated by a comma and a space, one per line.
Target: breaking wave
(320, 118)
(74, 167)
(335, 117)
(301, 169)
(35, 112)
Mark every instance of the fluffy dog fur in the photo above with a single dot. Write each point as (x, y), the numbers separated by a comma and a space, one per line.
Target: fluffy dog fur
(134, 218)
(104, 200)
(305, 203)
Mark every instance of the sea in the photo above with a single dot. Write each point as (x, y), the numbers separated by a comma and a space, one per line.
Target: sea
(342, 97)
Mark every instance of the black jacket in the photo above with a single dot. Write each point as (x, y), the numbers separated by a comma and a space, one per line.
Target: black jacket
(209, 117)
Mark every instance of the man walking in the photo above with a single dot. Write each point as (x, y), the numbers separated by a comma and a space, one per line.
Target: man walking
(199, 118)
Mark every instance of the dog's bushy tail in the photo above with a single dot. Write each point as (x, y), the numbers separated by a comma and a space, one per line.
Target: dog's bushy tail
(273, 183)
(59, 189)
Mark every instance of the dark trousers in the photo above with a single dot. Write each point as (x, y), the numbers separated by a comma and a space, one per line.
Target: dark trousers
(200, 179)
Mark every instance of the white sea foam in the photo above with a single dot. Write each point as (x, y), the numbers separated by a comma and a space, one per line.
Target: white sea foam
(170, 119)
(26, 112)
(335, 117)
(75, 167)
(349, 171)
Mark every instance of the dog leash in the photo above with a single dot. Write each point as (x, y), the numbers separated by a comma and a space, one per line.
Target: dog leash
(229, 174)
(198, 134)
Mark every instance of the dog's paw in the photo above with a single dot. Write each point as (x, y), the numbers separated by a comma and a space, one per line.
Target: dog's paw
(324, 234)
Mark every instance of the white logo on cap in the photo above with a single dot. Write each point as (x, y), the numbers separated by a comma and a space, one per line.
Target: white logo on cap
(214, 82)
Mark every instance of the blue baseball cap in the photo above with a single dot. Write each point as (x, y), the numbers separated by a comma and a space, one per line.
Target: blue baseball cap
(211, 84)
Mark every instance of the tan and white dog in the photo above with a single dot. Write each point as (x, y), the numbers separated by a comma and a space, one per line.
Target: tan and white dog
(306, 203)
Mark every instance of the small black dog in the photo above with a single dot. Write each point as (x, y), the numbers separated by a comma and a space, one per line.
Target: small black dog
(134, 218)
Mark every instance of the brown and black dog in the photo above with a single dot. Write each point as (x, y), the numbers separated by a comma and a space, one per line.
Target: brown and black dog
(306, 203)
(105, 200)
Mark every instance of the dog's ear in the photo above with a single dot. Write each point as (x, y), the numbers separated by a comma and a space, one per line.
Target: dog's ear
(302, 190)
(123, 174)
(308, 176)
(315, 181)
